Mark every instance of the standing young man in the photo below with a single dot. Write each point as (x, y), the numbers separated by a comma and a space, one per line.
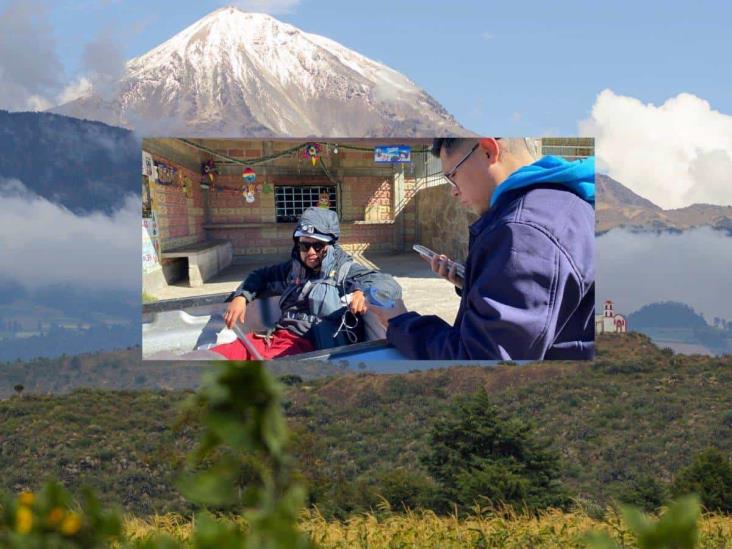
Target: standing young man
(529, 281)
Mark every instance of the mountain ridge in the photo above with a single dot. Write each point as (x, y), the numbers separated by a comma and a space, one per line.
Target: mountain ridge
(84, 166)
(239, 73)
(617, 206)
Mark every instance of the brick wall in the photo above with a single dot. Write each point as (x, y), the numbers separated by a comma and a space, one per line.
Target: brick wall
(180, 219)
(366, 199)
(409, 213)
(276, 240)
(227, 203)
(367, 204)
(442, 222)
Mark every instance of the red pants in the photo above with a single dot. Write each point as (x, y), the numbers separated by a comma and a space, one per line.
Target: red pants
(282, 343)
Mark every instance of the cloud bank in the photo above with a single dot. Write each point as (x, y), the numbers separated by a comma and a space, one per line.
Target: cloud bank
(30, 70)
(43, 244)
(104, 64)
(675, 154)
(635, 269)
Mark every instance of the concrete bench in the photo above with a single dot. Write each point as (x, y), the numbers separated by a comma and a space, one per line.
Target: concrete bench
(205, 259)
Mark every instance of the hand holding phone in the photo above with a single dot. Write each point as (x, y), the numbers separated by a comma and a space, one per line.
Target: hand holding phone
(442, 265)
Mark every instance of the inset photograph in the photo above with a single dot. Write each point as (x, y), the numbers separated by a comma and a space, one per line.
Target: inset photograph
(376, 251)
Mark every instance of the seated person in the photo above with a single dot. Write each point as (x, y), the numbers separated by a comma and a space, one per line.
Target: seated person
(312, 284)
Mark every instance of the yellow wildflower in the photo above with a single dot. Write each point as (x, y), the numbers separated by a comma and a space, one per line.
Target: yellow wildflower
(71, 524)
(55, 516)
(26, 498)
(23, 520)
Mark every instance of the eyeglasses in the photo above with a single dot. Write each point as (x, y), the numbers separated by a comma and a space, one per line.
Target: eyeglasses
(317, 246)
(449, 175)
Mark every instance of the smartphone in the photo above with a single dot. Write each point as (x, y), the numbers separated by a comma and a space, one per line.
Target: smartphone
(425, 252)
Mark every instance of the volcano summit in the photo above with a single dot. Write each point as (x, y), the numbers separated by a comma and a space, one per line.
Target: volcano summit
(235, 73)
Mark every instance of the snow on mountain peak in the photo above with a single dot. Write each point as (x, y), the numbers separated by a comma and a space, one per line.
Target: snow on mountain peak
(240, 73)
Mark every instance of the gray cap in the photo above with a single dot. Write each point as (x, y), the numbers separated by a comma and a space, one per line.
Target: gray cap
(318, 223)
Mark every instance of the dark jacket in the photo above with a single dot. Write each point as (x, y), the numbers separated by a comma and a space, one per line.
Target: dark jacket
(277, 280)
(529, 286)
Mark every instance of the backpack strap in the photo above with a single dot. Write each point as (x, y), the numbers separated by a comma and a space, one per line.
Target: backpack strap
(343, 272)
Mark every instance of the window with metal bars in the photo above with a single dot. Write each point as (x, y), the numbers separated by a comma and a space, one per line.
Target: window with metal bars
(292, 200)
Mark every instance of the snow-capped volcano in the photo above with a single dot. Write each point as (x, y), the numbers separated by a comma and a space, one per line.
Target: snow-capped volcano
(235, 73)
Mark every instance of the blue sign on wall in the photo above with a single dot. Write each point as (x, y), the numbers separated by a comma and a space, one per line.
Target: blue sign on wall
(393, 153)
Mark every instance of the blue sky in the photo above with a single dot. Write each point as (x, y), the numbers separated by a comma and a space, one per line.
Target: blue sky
(651, 81)
(499, 67)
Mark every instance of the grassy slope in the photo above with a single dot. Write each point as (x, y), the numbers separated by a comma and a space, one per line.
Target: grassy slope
(636, 411)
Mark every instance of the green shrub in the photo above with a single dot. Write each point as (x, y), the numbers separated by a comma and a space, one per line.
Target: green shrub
(479, 456)
(709, 476)
(404, 488)
(644, 492)
(727, 419)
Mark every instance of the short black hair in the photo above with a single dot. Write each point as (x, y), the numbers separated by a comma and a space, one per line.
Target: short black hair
(450, 144)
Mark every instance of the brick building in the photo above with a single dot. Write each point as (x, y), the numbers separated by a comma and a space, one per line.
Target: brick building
(610, 322)
(375, 201)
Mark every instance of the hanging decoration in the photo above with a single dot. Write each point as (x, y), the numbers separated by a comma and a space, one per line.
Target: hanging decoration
(312, 151)
(165, 174)
(267, 188)
(187, 187)
(248, 175)
(208, 169)
(248, 193)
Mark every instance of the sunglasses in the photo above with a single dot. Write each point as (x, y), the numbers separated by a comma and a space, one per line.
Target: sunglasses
(317, 246)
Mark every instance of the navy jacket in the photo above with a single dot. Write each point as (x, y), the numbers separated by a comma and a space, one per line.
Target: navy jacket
(529, 286)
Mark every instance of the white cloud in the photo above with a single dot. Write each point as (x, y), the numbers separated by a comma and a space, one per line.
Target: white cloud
(104, 61)
(635, 269)
(42, 243)
(30, 70)
(674, 154)
(81, 87)
(104, 65)
(273, 7)
(714, 169)
(486, 36)
(38, 103)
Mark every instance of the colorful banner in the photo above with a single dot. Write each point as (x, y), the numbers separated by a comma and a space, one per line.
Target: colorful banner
(393, 153)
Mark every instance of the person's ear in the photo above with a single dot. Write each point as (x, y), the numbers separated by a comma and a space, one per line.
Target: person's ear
(489, 147)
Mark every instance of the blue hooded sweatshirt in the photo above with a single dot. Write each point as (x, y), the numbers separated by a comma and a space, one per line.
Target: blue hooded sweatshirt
(529, 286)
